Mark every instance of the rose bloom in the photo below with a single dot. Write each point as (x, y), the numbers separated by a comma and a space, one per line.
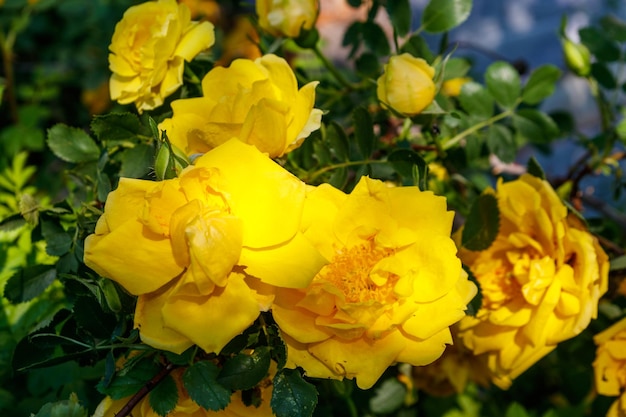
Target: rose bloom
(610, 366)
(186, 407)
(287, 17)
(257, 101)
(406, 85)
(541, 280)
(148, 51)
(392, 288)
(203, 251)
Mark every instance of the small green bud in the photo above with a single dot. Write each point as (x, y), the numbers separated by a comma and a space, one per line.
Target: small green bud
(170, 160)
(577, 57)
(111, 295)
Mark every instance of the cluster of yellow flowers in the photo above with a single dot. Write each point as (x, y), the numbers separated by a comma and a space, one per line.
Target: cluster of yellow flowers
(356, 282)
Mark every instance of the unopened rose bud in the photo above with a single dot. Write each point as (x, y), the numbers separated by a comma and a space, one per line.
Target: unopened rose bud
(169, 161)
(577, 57)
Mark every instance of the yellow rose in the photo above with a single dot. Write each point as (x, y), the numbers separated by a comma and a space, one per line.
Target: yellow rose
(392, 288)
(406, 85)
(610, 366)
(148, 51)
(541, 280)
(452, 87)
(287, 17)
(203, 251)
(240, 42)
(257, 101)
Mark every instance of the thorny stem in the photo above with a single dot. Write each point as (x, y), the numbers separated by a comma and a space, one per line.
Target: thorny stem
(128, 407)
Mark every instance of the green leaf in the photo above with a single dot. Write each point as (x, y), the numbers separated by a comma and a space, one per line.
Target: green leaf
(116, 127)
(368, 64)
(90, 316)
(618, 263)
(242, 372)
(388, 397)
(355, 3)
(603, 75)
(164, 397)
(72, 144)
(443, 15)
(375, 38)
(201, 384)
(128, 383)
(535, 126)
(503, 83)
(292, 395)
(364, 131)
(418, 47)
(482, 223)
(599, 44)
(476, 100)
(501, 142)
(540, 84)
(404, 161)
(400, 14)
(136, 161)
(474, 305)
(154, 129)
(58, 241)
(614, 28)
(455, 68)
(338, 141)
(28, 282)
(534, 169)
(516, 410)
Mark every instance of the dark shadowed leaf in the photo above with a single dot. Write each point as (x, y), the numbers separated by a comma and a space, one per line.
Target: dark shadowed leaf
(27, 283)
(244, 371)
(292, 395)
(164, 396)
(482, 223)
(201, 384)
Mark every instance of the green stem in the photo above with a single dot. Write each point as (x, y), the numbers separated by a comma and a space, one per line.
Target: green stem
(321, 171)
(459, 137)
(333, 70)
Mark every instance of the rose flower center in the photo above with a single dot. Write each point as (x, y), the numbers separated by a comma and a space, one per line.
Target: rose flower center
(351, 270)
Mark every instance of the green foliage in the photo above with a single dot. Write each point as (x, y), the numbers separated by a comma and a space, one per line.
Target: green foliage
(200, 381)
(443, 15)
(292, 395)
(482, 223)
(66, 330)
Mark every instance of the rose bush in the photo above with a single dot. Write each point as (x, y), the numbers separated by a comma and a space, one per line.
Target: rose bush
(256, 101)
(541, 280)
(406, 84)
(198, 248)
(390, 292)
(148, 51)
